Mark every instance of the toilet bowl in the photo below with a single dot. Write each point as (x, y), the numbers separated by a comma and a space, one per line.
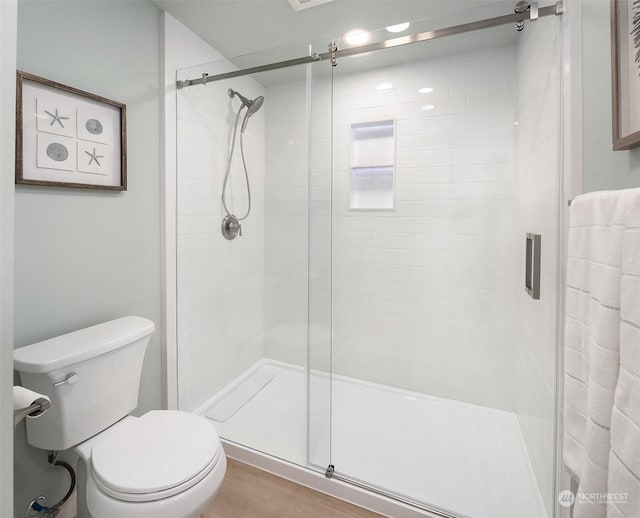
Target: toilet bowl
(143, 467)
(164, 464)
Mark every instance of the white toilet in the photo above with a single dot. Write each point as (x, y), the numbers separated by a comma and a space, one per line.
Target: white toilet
(165, 464)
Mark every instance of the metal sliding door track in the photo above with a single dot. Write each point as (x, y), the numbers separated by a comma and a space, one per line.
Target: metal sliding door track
(531, 13)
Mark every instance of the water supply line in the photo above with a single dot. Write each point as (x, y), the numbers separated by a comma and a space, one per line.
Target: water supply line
(36, 507)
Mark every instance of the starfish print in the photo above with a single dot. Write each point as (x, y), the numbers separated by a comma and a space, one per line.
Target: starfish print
(56, 118)
(94, 156)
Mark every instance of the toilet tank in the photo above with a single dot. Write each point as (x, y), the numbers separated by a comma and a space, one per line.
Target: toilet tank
(92, 377)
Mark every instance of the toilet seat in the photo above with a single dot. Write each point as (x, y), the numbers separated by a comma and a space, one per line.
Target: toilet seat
(147, 460)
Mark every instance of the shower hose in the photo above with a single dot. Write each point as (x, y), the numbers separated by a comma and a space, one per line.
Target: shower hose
(228, 170)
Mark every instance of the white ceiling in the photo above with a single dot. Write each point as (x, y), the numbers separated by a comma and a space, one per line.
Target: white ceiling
(240, 27)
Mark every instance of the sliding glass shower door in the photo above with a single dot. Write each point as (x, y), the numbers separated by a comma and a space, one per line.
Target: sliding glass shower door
(444, 157)
(253, 326)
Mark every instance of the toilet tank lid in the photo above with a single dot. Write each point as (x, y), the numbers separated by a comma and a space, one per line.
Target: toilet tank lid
(65, 350)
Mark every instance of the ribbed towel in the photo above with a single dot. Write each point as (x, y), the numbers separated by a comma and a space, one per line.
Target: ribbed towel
(624, 459)
(602, 290)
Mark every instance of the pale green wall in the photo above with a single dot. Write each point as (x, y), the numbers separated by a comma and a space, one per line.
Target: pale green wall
(81, 256)
(602, 167)
(8, 25)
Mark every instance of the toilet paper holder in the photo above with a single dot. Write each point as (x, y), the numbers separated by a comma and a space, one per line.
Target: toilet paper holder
(35, 409)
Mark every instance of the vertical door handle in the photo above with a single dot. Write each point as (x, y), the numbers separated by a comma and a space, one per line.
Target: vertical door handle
(532, 267)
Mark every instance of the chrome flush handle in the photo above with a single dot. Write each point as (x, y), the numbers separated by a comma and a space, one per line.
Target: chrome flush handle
(71, 378)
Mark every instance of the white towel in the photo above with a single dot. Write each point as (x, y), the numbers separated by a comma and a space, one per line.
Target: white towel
(602, 331)
(624, 459)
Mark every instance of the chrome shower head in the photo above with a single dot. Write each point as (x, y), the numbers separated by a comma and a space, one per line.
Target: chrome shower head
(252, 108)
(255, 105)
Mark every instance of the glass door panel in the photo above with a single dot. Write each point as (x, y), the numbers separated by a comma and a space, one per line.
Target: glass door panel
(244, 320)
(444, 156)
(320, 268)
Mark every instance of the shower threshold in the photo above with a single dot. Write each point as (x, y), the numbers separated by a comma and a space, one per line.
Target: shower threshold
(418, 448)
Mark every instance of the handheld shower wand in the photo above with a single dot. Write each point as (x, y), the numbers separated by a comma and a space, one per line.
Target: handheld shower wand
(252, 106)
(231, 227)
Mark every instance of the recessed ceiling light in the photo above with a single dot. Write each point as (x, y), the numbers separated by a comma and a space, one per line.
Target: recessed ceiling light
(356, 36)
(425, 90)
(428, 107)
(399, 27)
(384, 86)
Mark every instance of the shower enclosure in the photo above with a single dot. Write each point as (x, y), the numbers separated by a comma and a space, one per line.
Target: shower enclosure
(371, 323)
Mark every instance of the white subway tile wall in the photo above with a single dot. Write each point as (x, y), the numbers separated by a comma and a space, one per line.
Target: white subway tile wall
(286, 223)
(539, 195)
(220, 283)
(425, 294)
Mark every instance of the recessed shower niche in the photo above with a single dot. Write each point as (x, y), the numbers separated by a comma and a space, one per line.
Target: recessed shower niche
(372, 165)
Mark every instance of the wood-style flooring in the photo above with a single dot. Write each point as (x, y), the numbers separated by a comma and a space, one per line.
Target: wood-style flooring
(248, 492)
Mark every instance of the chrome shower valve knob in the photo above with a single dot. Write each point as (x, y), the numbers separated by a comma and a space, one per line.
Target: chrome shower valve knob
(231, 227)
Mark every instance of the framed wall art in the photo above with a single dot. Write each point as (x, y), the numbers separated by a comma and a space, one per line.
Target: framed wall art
(625, 73)
(68, 138)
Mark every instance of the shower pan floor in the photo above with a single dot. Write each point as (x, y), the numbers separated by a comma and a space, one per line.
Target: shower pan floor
(467, 458)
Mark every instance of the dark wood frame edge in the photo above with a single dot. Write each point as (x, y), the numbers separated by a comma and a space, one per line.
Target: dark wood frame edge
(20, 77)
(633, 139)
